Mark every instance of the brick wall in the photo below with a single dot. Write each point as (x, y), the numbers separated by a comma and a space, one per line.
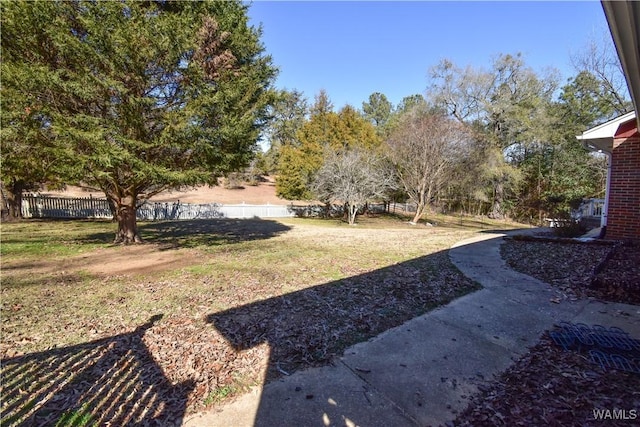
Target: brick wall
(623, 221)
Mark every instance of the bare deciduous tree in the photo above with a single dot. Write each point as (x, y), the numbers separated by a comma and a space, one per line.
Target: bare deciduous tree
(506, 106)
(425, 150)
(599, 58)
(353, 177)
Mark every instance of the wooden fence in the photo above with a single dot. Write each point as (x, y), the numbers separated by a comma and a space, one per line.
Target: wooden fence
(35, 206)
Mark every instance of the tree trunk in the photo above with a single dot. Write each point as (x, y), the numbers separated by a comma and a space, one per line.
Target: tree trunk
(425, 198)
(353, 211)
(127, 222)
(327, 209)
(498, 197)
(419, 212)
(5, 205)
(112, 208)
(13, 195)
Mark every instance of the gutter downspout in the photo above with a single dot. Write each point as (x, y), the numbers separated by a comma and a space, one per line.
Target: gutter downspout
(605, 209)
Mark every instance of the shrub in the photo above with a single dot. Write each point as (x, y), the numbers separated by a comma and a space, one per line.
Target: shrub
(569, 228)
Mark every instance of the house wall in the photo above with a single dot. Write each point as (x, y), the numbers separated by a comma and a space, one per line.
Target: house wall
(623, 220)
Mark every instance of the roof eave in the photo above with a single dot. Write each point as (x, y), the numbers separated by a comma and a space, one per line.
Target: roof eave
(598, 144)
(600, 138)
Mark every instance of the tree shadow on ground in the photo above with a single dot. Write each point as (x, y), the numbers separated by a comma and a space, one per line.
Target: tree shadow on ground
(312, 326)
(111, 381)
(202, 232)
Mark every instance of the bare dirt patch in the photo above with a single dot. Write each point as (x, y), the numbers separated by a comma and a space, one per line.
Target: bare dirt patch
(133, 260)
(111, 261)
(261, 194)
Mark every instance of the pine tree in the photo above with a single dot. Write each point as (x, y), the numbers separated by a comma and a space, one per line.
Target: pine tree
(325, 130)
(148, 96)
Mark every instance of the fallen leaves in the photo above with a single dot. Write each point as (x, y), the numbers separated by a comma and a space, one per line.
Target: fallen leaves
(550, 386)
(196, 357)
(111, 381)
(572, 267)
(618, 279)
(238, 314)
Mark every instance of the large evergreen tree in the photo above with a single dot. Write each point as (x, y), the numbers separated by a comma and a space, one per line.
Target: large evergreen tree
(147, 95)
(31, 155)
(378, 109)
(288, 114)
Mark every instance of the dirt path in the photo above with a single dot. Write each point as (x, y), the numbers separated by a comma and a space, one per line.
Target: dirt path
(108, 261)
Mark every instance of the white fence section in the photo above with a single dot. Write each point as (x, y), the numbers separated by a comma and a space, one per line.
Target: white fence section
(157, 211)
(38, 206)
(35, 206)
(256, 211)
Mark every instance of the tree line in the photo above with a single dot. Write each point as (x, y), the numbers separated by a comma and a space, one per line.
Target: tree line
(497, 142)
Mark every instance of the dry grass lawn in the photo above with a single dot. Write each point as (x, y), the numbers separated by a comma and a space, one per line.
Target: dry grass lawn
(202, 310)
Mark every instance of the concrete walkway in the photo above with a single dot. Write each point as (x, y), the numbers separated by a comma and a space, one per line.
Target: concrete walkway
(425, 371)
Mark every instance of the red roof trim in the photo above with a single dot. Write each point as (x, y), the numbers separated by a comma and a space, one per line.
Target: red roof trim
(627, 130)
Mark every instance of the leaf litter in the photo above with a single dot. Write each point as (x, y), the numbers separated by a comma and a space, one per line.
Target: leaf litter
(609, 271)
(554, 387)
(551, 386)
(214, 340)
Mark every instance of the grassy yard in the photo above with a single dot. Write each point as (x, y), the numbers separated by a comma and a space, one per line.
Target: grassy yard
(203, 309)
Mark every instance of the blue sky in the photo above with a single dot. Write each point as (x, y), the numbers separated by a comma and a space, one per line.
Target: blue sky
(352, 49)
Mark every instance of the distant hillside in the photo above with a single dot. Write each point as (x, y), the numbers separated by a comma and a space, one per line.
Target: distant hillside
(261, 194)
